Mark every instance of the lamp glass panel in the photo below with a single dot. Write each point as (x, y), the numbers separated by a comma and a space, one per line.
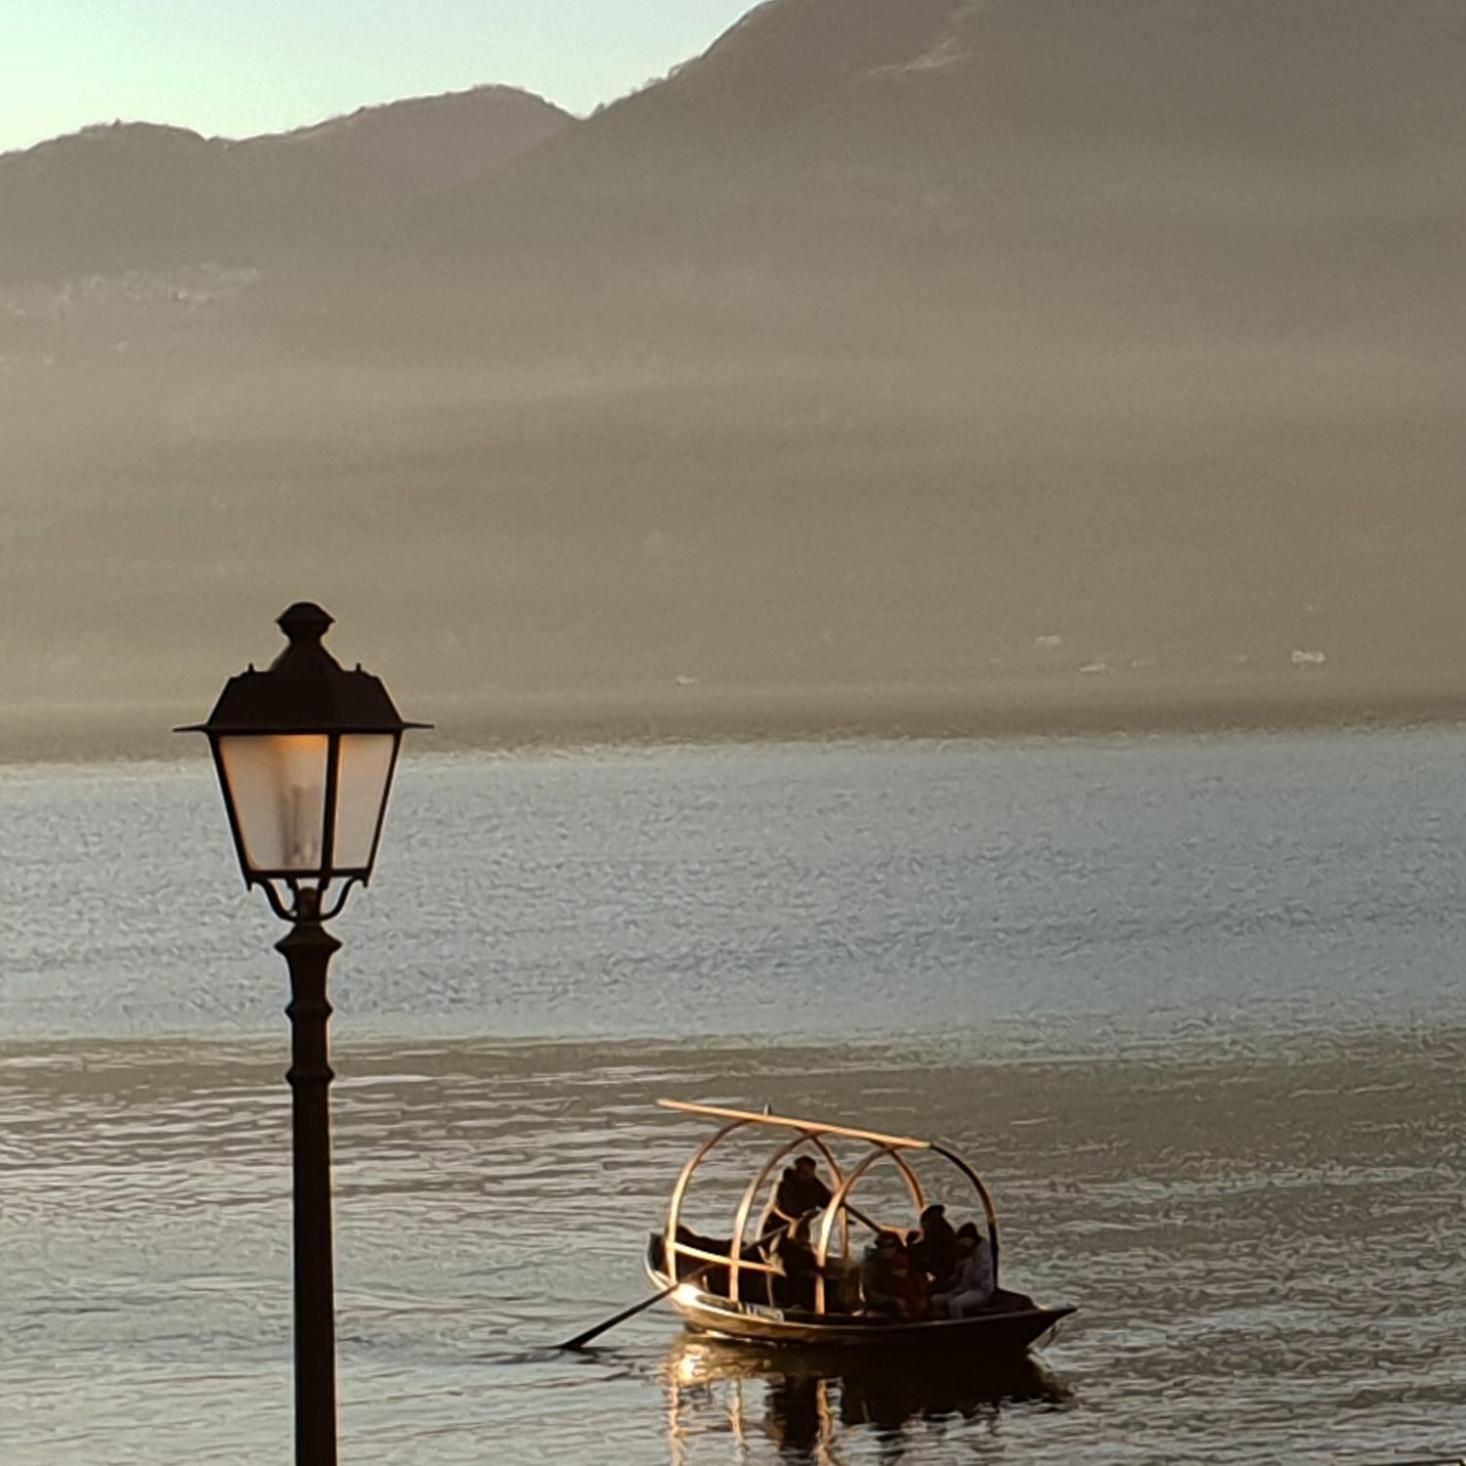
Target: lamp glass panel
(361, 791)
(278, 784)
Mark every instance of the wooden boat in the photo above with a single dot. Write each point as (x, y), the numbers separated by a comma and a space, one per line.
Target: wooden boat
(731, 1288)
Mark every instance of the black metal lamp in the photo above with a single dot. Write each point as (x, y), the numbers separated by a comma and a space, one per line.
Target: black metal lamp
(305, 753)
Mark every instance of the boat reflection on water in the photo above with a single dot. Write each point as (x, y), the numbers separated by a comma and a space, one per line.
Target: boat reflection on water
(804, 1402)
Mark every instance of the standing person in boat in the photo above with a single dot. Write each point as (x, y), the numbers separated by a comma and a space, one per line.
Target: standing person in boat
(795, 1254)
(934, 1248)
(971, 1288)
(799, 1192)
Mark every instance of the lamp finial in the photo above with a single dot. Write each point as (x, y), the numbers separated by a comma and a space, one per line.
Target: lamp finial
(304, 622)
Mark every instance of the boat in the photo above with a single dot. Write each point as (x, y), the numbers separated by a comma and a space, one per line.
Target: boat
(733, 1289)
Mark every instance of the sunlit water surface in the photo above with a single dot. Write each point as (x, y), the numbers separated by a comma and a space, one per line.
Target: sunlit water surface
(1193, 1007)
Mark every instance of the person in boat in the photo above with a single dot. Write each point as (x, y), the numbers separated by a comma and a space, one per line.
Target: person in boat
(934, 1247)
(795, 1254)
(918, 1290)
(889, 1283)
(799, 1192)
(882, 1287)
(971, 1288)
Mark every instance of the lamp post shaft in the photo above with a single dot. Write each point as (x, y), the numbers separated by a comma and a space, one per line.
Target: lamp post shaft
(307, 950)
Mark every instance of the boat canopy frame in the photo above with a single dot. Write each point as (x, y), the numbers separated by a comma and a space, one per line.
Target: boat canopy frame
(816, 1134)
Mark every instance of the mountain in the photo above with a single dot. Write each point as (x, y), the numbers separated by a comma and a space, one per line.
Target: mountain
(1135, 145)
(110, 198)
(415, 147)
(1080, 350)
(134, 196)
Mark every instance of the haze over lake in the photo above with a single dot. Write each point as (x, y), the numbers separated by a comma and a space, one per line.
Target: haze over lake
(895, 361)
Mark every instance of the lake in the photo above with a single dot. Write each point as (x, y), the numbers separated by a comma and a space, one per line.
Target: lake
(1193, 1006)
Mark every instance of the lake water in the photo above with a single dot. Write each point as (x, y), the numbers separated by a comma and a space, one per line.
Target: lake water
(1195, 1008)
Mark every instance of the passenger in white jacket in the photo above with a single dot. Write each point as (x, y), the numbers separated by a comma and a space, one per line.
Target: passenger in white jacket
(971, 1287)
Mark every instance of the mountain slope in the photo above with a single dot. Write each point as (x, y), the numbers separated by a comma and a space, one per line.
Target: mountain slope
(140, 197)
(892, 343)
(983, 131)
(117, 197)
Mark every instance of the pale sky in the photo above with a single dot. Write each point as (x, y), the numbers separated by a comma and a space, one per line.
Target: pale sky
(238, 67)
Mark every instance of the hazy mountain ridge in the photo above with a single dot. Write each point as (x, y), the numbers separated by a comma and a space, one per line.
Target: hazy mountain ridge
(904, 344)
(1017, 102)
(138, 196)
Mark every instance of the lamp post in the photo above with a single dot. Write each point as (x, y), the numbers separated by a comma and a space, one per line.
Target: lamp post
(305, 753)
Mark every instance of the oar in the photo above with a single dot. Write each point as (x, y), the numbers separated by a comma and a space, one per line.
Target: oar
(581, 1340)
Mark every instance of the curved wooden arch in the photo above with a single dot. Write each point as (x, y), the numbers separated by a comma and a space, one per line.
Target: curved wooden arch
(809, 1132)
(815, 1138)
(989, 1210)
(751, 1191)
(670, 1247)
(842, 1195)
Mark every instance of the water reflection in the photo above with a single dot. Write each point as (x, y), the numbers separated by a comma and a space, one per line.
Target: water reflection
(808, 1404)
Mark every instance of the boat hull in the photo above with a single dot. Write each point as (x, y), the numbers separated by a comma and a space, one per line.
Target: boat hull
(986, 1335)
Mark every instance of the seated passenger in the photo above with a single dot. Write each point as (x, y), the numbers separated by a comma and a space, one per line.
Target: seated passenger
(971, 1287)
(889, 1283)
(842, 1285)
(800, 1191)
(918, 1291)
(934, 1247)
(880, 1286)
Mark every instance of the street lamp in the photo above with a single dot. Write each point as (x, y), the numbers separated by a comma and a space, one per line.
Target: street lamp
(305, 753)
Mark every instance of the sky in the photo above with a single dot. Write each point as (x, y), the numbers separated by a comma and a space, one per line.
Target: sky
(239, 67)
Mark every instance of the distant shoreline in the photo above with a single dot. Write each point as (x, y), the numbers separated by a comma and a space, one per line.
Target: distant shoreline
(649, 717)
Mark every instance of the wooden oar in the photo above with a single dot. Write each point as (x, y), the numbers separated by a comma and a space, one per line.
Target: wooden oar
(581, 1340)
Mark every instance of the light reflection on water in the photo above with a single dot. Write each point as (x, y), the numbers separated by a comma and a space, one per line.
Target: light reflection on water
(1265, 1247)
(809, 1407)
